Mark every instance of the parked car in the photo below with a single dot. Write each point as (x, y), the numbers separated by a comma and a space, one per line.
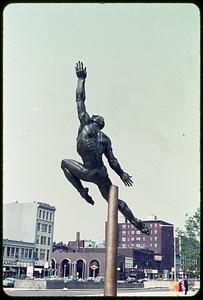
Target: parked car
(99, 279)
(8, 282)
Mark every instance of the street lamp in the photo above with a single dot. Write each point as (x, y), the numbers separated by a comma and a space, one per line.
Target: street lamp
(174, 247)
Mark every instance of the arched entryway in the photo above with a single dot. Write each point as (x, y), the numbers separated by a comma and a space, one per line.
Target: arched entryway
(93, 268)
(65, 267)
(53, 267)
(80, 268)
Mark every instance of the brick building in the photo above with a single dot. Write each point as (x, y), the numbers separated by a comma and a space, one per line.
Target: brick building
(161, 241)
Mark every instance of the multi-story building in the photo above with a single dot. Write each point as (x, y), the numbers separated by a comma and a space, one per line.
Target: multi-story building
(31, 223)
(18, 258)
(161, 241)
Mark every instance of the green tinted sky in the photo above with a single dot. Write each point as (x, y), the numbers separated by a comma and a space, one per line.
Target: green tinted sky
(143, 77)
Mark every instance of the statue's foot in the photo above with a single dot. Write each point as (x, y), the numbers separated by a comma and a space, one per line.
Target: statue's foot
(87, 197)
(141, 226)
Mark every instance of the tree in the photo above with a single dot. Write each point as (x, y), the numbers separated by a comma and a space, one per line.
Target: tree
(190, 245)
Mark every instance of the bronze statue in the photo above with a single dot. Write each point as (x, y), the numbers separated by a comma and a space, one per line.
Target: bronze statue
(92, 143)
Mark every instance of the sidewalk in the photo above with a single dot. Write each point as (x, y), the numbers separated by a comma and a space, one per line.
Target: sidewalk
(154, 293)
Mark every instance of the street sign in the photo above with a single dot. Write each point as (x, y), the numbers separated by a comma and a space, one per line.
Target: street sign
(128, 262)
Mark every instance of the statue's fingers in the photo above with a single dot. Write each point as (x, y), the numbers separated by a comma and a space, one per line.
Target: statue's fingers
(81, 65)
(127, 183)
(130, 180)
(85, 69)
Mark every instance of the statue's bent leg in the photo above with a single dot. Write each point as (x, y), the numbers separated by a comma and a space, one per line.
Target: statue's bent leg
(68, 165)
(123, 208)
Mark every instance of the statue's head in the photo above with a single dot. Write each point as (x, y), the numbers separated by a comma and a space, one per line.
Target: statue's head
(98, 120)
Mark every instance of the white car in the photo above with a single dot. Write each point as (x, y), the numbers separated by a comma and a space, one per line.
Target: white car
(8, 282)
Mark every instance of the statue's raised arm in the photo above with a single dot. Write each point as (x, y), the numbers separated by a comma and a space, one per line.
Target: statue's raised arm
(80, 94)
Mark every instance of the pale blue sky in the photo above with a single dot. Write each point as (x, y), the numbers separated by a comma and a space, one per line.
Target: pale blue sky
(143, 77)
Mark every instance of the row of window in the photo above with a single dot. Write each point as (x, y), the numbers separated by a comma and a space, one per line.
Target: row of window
(42, 254)
(43, 227)
(138, 238)
(17, 252)
(139, 245)
(43, 240)
(132, 226)
(124, 232)
(45, 215)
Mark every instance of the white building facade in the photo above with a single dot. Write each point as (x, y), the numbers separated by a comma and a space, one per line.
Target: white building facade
(30, 223)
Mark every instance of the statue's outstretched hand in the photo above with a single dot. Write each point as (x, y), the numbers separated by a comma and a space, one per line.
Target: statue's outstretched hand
(80, 72)
(126, 179)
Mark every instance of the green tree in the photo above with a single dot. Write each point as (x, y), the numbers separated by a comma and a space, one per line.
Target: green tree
(190, 245)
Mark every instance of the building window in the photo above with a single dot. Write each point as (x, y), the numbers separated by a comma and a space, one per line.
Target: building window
(8, 251)
(150, 238)
(155, 245)
(38, 226)
(138, 245)
(43, 214)
(143, 238)
(3, 250)
(44, 228)
(131, 245)
(26, 253)
(17, 253)
(132, 232)
(42, 254)
(37, 239)
(150, 245)
(123, 226)
(155, 238)
(40, 213)
(155, 224)
(123, 246)
(12, 251)
(143, 245)
(47, 254)
(50, 216)
(49, 241)
(123, 232)
(132, 239)
(138, 232)
(37, 253)
(30, 253)
(47, 215)
(137, 238)
(22, 252)
(150, 225)
(155, 231)
(43, 240)
(49, 228)
(123, 239)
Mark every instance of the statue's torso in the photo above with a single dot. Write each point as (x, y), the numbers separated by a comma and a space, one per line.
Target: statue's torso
(90, 146)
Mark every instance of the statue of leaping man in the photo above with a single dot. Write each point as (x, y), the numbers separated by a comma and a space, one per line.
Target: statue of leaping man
(92, 143)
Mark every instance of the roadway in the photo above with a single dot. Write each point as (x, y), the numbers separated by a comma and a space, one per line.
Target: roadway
(14, 292)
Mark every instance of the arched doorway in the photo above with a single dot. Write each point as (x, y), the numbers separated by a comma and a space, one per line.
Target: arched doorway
(80, 268)
(53, 266)
(93, 268)
(65, 267)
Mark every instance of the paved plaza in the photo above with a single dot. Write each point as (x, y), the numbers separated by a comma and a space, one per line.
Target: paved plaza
(156, 292)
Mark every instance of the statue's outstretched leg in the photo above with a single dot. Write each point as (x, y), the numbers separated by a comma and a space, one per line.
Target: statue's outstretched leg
(123, 208)
(70, 167)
